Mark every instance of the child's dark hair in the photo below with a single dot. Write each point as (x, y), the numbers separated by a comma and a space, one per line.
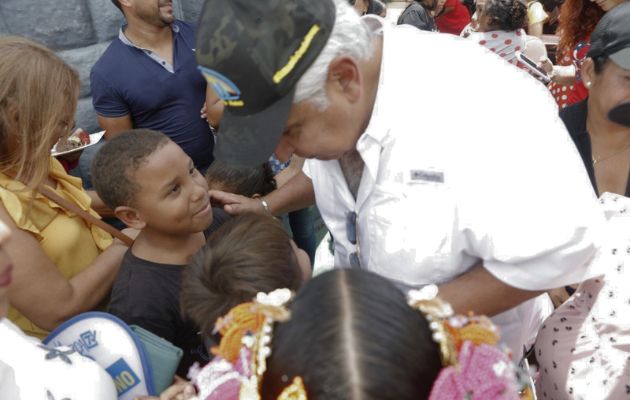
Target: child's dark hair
(246, 181)
(352, 335)
(248, 254)
(117, 161)
(506, 15)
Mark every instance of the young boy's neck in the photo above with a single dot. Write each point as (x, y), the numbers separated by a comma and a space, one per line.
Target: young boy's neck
(163, 248)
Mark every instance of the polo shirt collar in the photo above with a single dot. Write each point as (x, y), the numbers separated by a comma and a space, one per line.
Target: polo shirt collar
(125, 40)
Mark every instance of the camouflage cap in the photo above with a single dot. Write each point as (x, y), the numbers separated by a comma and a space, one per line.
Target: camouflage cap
(253, 53)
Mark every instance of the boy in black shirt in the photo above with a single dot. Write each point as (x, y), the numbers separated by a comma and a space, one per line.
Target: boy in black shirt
(153, 186)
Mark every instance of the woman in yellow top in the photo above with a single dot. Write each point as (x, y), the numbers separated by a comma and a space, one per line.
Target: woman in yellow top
(62, 266)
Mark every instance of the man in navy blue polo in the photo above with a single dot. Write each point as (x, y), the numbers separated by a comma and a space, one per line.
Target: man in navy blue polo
(148, 78)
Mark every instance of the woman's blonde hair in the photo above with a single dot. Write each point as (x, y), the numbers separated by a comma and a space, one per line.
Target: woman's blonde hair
(37, 90)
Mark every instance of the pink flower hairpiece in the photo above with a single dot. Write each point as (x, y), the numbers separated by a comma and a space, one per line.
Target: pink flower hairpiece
(482, 373)
(474, 367)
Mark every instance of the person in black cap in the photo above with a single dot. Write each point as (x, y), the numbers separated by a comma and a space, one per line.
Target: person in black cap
(406, 185)
(600, 125)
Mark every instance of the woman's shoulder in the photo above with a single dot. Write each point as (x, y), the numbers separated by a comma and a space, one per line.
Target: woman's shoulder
(22, 206)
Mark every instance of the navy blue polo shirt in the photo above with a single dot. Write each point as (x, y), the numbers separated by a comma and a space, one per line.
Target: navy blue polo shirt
(129, 80)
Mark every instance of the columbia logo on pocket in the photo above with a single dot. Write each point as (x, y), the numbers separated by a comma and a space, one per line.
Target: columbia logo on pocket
(421, 175)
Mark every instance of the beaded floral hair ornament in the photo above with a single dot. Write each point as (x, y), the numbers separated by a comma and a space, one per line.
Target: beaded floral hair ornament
(474, 367)
(241, 359)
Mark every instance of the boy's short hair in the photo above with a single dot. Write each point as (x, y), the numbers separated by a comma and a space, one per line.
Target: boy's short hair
(248, 254)
(116, 163)
(246, 181)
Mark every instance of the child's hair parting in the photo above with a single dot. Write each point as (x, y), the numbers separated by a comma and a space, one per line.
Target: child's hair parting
(352, 335)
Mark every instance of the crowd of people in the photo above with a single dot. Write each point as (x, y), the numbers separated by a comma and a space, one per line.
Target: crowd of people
(454, 223)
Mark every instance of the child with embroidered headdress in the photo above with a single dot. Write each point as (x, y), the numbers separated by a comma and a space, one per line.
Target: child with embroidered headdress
(352, 334)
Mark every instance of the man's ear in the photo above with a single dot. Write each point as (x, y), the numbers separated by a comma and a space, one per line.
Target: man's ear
(588, 72)
(130, 217)
(345, 77)
(125, 3)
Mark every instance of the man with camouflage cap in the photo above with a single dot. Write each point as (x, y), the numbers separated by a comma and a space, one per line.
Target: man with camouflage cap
(410, 186)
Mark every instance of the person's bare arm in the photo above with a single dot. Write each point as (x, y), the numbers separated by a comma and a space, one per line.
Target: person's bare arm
(41, 293)
(479, 291)
(535, 29)
(115, 125)
(98, 205)
(562, 74)
(289, 172)
(213, 108)
(296, 194)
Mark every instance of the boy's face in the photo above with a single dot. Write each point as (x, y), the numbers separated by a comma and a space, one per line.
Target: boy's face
(173, 196)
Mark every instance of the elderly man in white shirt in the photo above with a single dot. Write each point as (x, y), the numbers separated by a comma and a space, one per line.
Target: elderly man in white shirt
(413, 183)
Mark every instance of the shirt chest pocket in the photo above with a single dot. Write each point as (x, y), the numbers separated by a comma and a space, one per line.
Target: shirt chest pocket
(410, 229)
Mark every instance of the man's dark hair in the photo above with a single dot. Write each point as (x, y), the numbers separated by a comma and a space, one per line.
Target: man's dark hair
(352, 335)
(246, 181)
(506, 15)
(248, 254)
(116, 163)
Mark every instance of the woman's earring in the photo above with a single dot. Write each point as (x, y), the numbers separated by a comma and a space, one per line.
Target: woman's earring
(587, 84)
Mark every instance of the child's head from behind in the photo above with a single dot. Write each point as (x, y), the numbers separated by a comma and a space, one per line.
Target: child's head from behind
(248, 254)
(352, 334)
(150, 183)
(246, 181)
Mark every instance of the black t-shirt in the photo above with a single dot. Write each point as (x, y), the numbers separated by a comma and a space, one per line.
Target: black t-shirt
(147, 294)
(415, 14)
(574, 118)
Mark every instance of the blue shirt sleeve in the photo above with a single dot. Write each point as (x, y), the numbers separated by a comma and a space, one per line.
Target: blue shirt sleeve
(106, 100)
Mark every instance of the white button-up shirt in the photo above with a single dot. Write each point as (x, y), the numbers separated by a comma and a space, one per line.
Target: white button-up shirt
(465, 160)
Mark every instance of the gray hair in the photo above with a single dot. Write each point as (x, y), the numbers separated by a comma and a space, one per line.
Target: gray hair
(351, 37)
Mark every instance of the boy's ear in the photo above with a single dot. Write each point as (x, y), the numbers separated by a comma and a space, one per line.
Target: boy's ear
(130, 217)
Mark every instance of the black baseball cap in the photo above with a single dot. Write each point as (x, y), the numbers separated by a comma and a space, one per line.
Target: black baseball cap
(611, 37)
(253, 52)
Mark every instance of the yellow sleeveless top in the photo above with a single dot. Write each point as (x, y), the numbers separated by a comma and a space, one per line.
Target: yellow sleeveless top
(65, 237)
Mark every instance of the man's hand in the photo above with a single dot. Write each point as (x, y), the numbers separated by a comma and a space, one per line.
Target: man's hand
(235, 204)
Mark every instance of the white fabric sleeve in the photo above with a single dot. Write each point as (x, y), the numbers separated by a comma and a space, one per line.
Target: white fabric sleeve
(306, 168)
(530, 213)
